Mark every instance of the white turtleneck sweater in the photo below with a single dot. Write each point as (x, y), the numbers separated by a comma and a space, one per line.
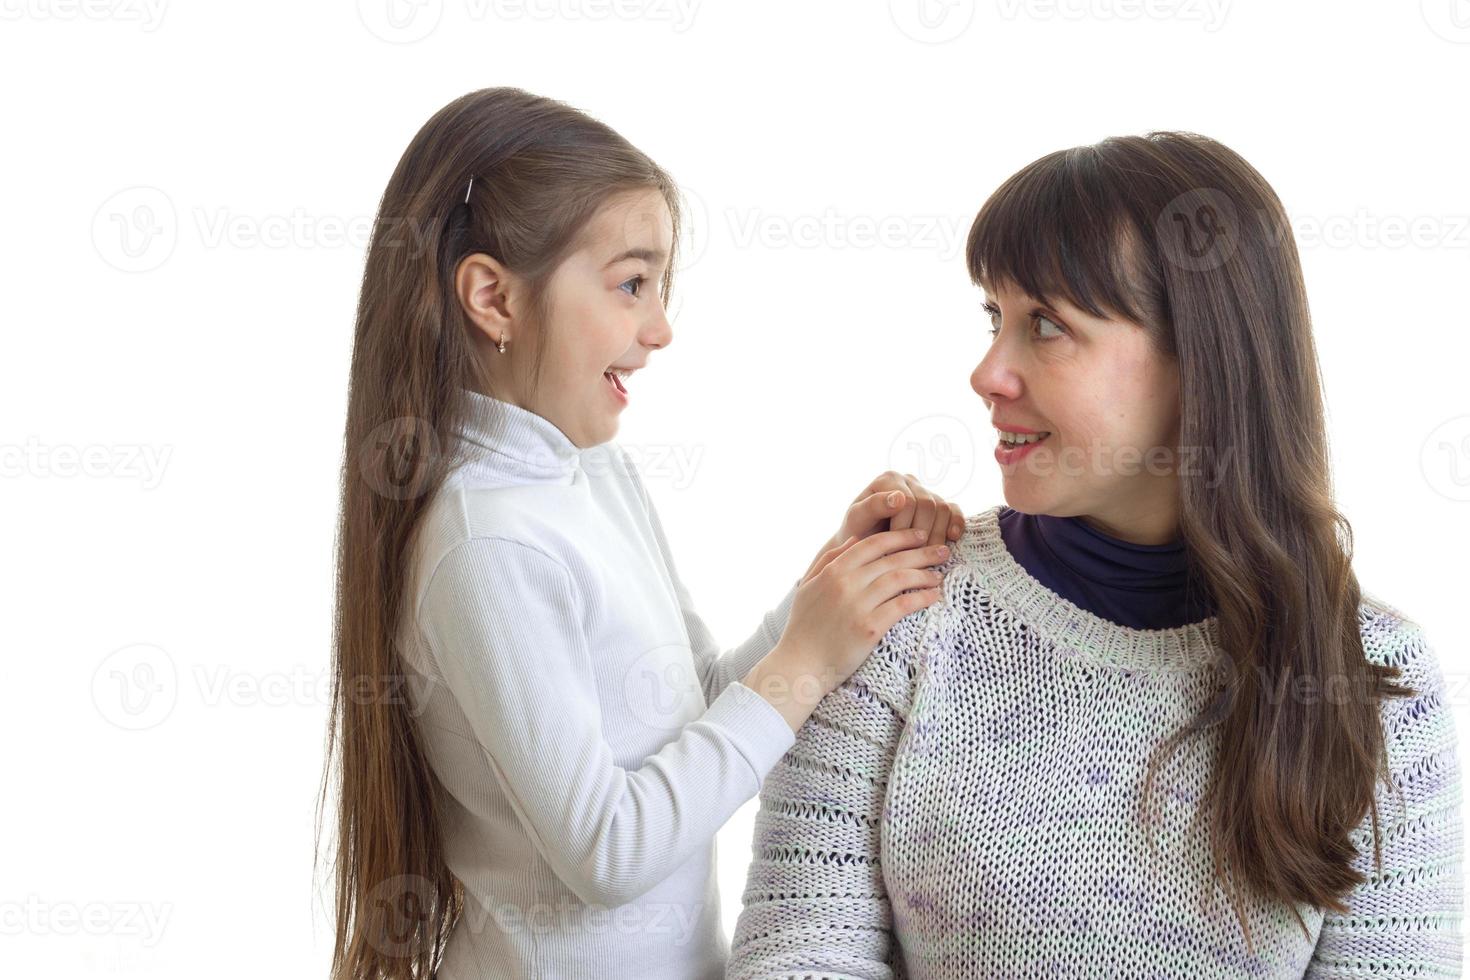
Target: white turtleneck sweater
(590, 735)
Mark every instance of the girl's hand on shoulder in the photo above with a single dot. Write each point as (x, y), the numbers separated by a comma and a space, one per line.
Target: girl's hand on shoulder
(896, 502)
(850, 597)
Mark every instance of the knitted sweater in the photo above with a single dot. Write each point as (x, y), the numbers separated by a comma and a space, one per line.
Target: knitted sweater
(965, 806)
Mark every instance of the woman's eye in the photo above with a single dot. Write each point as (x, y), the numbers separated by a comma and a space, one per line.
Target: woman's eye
(1040, 318)
(636, 282)
(1046, 320)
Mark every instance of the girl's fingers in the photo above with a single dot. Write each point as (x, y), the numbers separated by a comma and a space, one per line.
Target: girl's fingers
(889, 612)
(922, 557)
(905, 516)
(928, 517)
(825, 559)
(869, 512)
(879, 506)
(871, 548)
(928, 511)
(920, 511)
(900, 580)
(944, 520)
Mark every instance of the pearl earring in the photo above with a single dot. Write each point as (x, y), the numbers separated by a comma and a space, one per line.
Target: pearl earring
(501, 346)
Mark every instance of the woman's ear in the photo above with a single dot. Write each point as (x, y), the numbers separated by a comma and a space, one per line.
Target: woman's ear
(484, 289)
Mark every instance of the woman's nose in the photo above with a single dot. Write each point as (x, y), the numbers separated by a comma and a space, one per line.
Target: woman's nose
(993, 380)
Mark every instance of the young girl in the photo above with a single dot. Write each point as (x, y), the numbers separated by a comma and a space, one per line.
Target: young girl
(1143, 734)
(539, 737)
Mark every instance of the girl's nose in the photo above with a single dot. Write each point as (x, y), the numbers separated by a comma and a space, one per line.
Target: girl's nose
(659, 333)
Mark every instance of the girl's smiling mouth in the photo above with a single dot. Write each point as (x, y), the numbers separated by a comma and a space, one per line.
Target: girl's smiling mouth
(614, 377)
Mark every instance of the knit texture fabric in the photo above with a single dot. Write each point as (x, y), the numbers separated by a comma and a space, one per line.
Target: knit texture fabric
(966, 806)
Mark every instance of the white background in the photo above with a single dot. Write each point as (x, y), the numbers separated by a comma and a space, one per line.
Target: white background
(188, 190)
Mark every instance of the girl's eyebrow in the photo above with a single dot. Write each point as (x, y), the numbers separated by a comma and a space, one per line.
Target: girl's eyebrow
(650, 255)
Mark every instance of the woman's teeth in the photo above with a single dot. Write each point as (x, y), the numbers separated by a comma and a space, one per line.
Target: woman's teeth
(1015, 439)
(616, 381)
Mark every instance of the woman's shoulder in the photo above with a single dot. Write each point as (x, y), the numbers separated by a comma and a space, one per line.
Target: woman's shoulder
(1389, 635)
(980, 559)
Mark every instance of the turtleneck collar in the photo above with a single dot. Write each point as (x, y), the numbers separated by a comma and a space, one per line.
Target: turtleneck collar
(1125, 628)
(514, 443)
(1111, 561)
(1136, 585)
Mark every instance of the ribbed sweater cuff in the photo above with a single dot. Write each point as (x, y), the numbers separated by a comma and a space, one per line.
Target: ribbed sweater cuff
(755, 727)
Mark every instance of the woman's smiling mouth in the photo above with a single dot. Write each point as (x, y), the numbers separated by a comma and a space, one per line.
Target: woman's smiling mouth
(1014, 445)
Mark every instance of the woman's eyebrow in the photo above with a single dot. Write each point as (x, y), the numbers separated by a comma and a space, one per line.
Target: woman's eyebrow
(651, 255)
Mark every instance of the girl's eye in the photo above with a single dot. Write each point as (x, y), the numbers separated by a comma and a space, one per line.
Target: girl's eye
(636, 282)
(1037, 315)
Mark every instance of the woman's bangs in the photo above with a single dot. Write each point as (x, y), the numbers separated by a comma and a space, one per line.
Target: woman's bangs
(1053, 231)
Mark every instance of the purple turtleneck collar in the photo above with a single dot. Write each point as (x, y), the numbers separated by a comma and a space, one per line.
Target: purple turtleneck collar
(1135, 585)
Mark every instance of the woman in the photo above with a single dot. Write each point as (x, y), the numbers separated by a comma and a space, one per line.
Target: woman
(1143, 733)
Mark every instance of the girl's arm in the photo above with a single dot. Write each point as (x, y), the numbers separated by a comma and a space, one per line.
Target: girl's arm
(503, 623)
(817, 832)
(1405, 920)
(867, 515)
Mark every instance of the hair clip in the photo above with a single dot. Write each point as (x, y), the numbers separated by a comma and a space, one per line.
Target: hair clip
(467, 190)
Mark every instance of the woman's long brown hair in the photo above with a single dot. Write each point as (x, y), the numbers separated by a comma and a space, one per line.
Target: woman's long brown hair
(541, 170)
(1180, 235)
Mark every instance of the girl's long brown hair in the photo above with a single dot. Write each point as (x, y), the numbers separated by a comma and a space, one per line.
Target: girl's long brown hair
(541, 170)
(1179, 234)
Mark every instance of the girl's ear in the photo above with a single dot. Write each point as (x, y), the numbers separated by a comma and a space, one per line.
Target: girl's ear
(484, 288)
